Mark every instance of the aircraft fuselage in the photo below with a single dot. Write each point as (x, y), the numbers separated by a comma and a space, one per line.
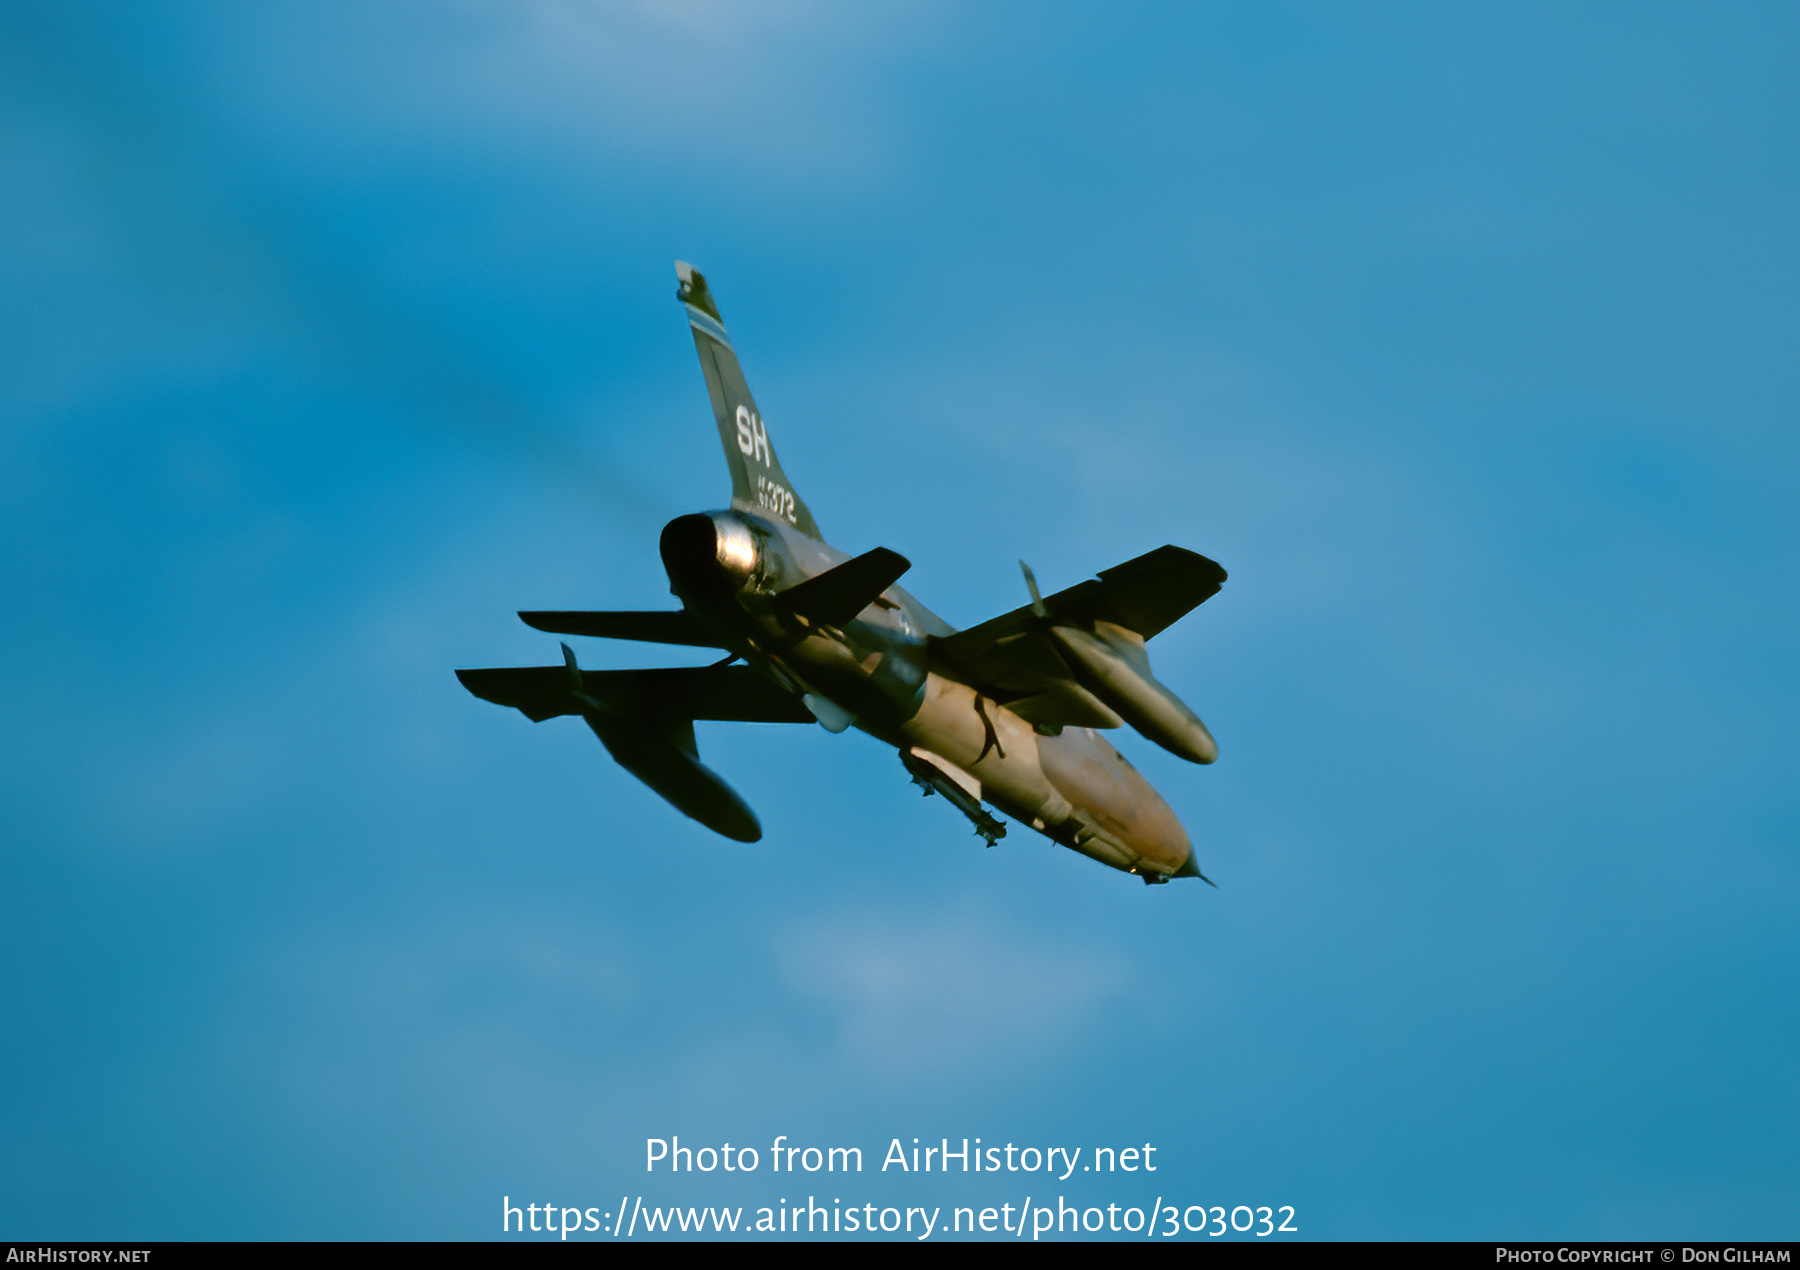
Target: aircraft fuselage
(1002, 714)
(877, 672)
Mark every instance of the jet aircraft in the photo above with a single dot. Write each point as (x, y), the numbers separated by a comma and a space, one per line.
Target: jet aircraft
(1005, 714)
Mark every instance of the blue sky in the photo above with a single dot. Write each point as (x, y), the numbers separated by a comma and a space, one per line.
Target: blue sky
(1463, 337)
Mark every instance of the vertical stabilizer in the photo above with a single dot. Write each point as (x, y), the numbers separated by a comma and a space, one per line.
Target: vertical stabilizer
(756, 476)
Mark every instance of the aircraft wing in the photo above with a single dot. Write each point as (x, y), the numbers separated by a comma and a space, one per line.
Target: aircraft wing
(1013, 658)
(737, 694)
(671, 627)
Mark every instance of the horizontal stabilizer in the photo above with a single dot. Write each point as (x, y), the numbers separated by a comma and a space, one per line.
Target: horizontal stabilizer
(738, 694)
(662, 627)
(836, 596)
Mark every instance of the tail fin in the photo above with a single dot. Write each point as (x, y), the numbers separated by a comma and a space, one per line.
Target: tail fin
(756, 476)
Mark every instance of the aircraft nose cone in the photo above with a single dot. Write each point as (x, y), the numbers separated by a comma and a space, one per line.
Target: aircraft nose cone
(1192, 870)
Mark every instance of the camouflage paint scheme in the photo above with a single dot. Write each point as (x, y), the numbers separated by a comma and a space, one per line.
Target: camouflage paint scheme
(1003, 714)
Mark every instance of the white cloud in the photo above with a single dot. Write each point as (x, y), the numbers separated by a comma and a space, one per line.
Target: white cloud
(947, 991)
(788, 89)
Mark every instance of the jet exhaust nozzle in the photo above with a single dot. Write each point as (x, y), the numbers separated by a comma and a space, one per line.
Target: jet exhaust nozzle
(708, 552)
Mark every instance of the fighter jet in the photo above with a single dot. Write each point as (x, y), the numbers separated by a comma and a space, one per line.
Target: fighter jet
(1006, 714)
